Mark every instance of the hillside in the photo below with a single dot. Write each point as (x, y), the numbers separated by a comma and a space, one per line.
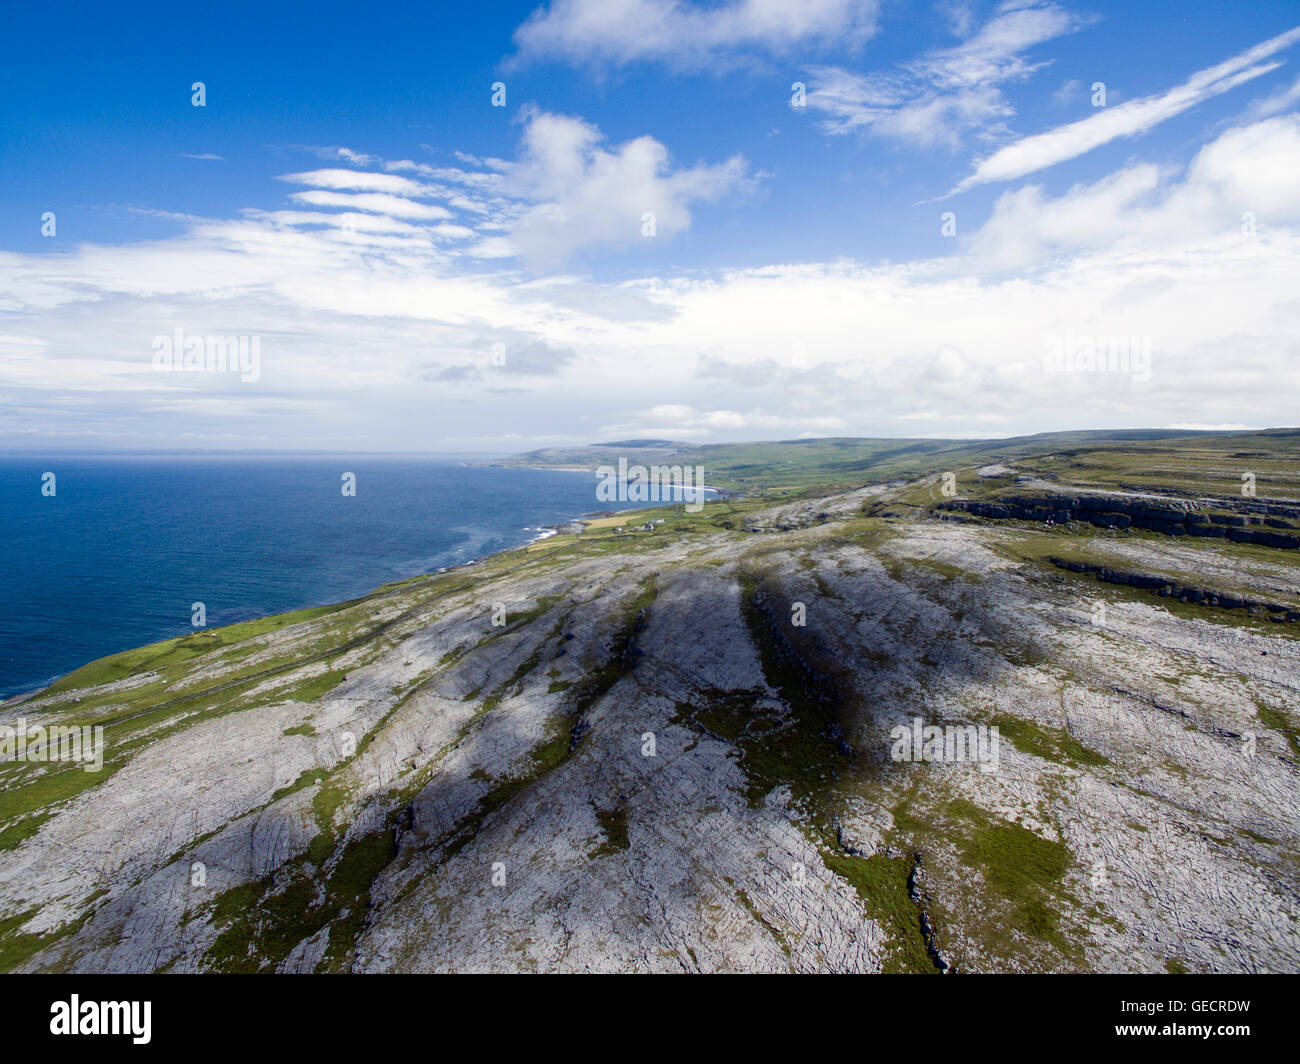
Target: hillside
(648, 763)
(1104, 457)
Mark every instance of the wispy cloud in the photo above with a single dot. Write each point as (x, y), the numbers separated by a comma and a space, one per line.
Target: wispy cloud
(600, 33)
(996, 52)
(1037, 152)
(338, 153)
(358, 180)
(1283, 99)
(941, 97)
(377, 202)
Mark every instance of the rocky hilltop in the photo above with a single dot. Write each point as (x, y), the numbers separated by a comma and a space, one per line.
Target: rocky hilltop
(676, 749)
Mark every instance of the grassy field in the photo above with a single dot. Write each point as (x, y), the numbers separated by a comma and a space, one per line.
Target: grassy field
(1142, 459)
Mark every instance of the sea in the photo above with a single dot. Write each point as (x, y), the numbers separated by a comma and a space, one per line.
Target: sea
(118, 553)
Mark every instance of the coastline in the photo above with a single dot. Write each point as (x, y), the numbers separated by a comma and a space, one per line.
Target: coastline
(423, 516)
(542, 533)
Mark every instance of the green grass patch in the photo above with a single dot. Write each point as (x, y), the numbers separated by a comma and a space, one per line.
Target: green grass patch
(17, 947)
(1280, 722)
(314, 688)
(1025, 871)
(882, 883)
(175, 651)
(15, 834)
(613, 822)
(1051, 744)
(264, 920)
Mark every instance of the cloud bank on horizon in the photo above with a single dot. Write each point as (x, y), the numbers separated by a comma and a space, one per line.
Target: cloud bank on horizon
(697, 272)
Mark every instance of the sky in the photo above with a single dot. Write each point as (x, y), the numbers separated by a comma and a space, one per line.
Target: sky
(489, 228)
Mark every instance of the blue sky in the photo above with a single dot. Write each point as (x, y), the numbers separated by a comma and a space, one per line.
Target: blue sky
(350, 196)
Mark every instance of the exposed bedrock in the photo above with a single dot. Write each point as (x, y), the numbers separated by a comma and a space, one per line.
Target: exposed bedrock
(1266, 524)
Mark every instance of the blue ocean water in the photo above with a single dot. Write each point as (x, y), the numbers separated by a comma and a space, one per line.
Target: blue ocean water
(117, 556)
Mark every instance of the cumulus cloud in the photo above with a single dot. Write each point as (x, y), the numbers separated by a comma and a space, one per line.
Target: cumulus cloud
(616, 32)
(1243, 179)
(582, 194)
(567, 191)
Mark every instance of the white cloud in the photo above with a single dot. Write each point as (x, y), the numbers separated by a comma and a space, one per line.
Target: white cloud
(958, 15)
(388, 345)
(1283, 99)
(341, 154)
(584, 195)
(358, 180)
(375, 202)
(1249, 170)
(1037, 152)
(947, 93)
(566, 192)
(1067, 92)
(453, 232)
(678, 421)
(994, 54)
(886, 108)
(364, 223)
(617, 32)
